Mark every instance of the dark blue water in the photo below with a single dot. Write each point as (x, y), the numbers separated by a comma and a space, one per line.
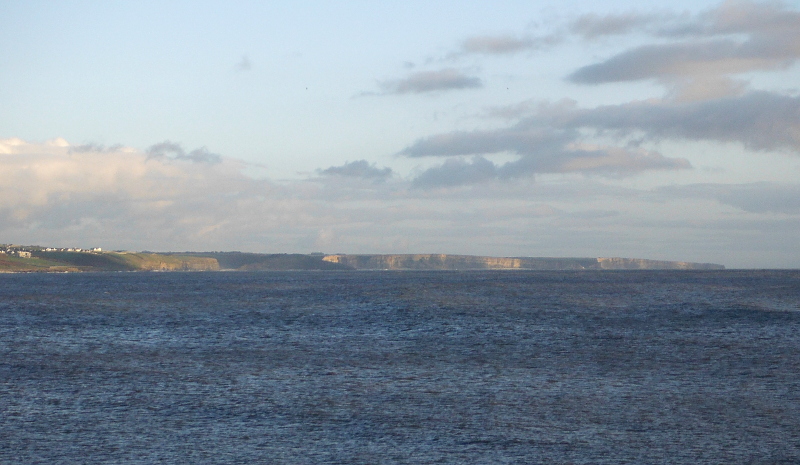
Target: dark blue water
(401, 367)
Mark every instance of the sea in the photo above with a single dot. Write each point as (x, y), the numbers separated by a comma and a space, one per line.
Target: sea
(401, 367)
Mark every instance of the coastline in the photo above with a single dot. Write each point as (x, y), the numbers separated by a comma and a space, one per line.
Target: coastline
(44, 261)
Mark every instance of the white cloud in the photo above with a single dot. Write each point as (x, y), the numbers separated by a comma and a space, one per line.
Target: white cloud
(54, 186)
(124, 198)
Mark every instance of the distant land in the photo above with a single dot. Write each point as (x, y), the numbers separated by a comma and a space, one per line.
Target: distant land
(40, 259)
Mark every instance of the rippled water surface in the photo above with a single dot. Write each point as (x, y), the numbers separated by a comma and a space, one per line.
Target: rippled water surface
(401, 367)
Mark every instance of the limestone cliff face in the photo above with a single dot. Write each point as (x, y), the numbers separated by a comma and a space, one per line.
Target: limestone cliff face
(423, 262)
(616, 263)
(187, 264)
(459, 262)
(469, 262)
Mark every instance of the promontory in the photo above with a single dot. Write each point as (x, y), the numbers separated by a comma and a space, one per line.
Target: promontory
(39, 259)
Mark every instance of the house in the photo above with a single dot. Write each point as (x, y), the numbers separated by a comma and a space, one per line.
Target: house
(23, 254)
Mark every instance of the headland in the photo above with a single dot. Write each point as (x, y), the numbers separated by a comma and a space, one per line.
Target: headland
(47, 259)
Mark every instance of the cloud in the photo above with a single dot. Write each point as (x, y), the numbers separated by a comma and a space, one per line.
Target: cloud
(759, 197)
(695, 56)
(244, 64)
(510, 112)
(457, 172)
(38, 175)
(473, 200)
(762, 197)
(615, 161)
(431, 81)
(358, 169)
(592, 26)
(734, 38)
(94, 148)
(505, 44)
(518, 139)
(51, 194)
(762, 19)
(664, 60)
(132, 199)
(574, 158)
(557, 138)
(172, 151)
(757, 120)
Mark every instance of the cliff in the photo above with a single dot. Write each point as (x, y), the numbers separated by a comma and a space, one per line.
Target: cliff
(470, 262)
(51, 261)
(270, 262)
(168, 262)
(616, 263)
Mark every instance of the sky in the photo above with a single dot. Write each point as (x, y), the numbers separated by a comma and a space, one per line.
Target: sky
(505, 128)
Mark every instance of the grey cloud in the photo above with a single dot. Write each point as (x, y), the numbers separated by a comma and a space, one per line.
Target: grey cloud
(699, 88)
(538, 157)
(592, 159)
(734, 38)
(515, 139)
(757, 120)
(456, 172)
(613, 161)
(593, 25)
(553, 139)
(431, 81)
(761, 197)
(665, 24)
(764, 197)
(358, 169)
(173, 151)
(91, 147)
(244, 64)
(500, 45)
(660, 60)
(550, 140)
(772, 18)
(509, 112)
(202, 155)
